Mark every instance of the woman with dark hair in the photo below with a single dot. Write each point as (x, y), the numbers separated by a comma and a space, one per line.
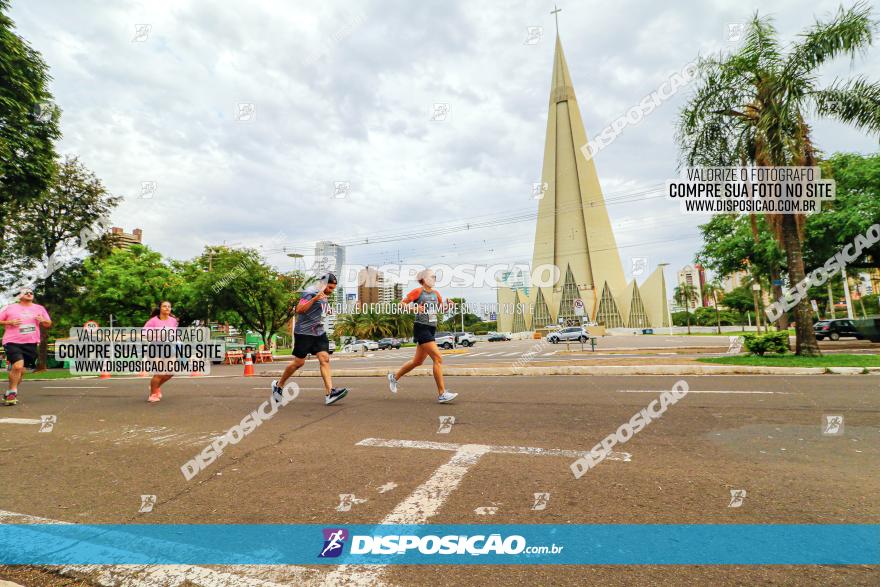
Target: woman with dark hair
(160, 318)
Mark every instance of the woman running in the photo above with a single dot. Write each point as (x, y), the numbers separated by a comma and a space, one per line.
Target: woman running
(426, 302)
(160, 318)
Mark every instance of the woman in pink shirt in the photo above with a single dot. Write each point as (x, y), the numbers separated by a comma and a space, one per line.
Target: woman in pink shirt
(160, 318)
(21, 335)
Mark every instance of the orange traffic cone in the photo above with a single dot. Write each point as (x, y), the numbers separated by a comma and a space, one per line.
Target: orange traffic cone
(248, 366)
(142, 374)
(104, 375)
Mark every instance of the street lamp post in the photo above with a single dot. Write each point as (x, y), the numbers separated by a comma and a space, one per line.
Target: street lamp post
(756, 288)
(668, 309)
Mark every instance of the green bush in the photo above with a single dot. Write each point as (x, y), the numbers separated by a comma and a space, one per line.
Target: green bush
(771, 342)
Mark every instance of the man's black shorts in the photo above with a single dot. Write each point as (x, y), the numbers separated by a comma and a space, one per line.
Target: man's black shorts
(423, 333)
(306, 344)
(16, 351)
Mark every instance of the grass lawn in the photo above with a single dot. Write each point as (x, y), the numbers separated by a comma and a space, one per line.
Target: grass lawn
(796, 361)
(51, 374)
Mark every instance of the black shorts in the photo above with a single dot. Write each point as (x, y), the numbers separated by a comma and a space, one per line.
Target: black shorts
(423, 333)
(17, 351)
(306, 344)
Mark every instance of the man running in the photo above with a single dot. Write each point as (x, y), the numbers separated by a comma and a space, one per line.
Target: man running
(22, 323)
(426, 301)
(310, 339)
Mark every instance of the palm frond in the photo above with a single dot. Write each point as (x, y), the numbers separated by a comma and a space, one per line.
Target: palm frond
(855, 102)
(848, 33)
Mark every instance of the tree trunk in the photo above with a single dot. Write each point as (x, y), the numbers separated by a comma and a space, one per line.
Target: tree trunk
(830, 300)
(777, 295)
(689, 320)
(805, 341)
(717, 313)
(43, 356)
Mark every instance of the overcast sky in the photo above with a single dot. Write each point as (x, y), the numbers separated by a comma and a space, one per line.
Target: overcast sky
(345, 92)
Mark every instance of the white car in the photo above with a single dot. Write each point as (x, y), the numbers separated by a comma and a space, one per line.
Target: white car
(367, 345)
(466, 339)
(445, 340)
(569, 334)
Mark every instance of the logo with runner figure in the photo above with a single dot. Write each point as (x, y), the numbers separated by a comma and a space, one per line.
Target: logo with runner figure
(334, 541)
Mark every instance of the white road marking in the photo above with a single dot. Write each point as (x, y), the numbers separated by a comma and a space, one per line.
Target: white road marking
(170, 575)
(549, 354)
(19, 421)
(512, 354)
(427, 499)
(494, 354)
(451, 446)
(705, 391)
(72, 387)
(478, 354)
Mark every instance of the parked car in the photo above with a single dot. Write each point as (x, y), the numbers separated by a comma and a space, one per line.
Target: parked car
(578, 333)
(445, 340)
(465, 338)
(498, 336)
(834, 329)
(367, 345)
(389, 343)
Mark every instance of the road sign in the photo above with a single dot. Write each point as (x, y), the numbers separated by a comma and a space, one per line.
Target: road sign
(815, 305)
(579, 307)
(91, 325)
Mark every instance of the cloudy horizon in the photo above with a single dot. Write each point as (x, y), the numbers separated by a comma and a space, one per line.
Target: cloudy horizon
(151, 93)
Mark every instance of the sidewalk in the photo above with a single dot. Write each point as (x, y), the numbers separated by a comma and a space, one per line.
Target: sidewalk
(540, 371)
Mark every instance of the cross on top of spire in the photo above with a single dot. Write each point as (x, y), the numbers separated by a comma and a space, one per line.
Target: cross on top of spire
(555, 12)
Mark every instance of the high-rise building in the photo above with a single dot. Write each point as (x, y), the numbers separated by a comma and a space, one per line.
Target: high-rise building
(573, 234)
(696, 278)
(125, 240)
(374, 287)
(330, 258)
(734, 280)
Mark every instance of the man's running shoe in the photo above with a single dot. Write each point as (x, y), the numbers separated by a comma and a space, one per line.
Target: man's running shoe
(392, 383)
(335, 396)
(446, 397)
(10, 398)
(154, 397)
(277, 392)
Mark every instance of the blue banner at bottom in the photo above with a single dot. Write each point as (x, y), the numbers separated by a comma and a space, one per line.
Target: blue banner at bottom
(472, 544)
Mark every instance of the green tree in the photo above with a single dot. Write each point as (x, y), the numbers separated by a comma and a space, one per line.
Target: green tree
(28, 127)
(751, 107)
(240, 281)
(685, 294)
(56, 229)
(129, 284)
(713, 289)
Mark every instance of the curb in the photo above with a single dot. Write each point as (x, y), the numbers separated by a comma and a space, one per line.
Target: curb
(587, 370)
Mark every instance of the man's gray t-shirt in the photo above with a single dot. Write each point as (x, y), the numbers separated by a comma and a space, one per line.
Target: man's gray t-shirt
(311, 322)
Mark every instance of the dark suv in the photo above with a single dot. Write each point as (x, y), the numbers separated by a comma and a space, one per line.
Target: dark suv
(389, 343)
(834, 329)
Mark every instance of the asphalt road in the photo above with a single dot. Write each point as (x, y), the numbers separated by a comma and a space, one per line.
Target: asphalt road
(108, 447)
(610, 347)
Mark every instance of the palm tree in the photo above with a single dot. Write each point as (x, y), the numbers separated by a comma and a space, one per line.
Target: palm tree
(375, 325)
(346, 325)
(753, 105)
(684, 295)
(713, 288)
